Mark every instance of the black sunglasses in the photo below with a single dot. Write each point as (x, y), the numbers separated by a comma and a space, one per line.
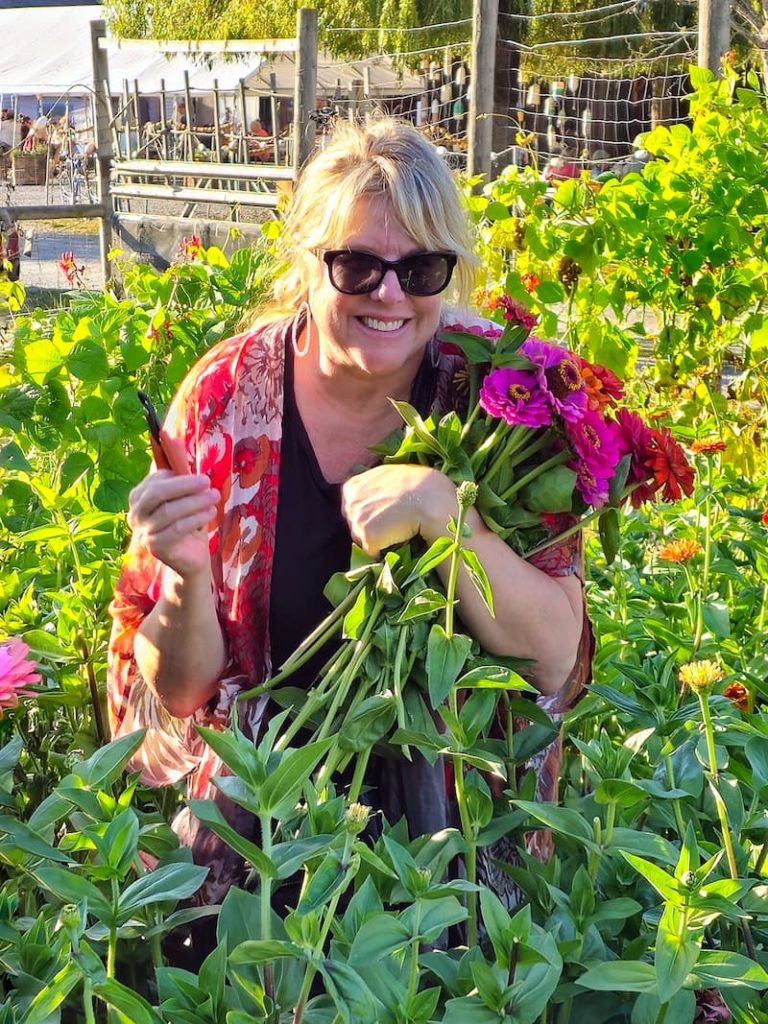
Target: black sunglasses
(359, 273)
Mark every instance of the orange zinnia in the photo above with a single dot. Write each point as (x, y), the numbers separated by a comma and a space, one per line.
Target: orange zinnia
(678, 551)
(603, 387)
(709, 447)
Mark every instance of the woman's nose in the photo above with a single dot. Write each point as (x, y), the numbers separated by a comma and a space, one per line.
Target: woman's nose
(389, 287)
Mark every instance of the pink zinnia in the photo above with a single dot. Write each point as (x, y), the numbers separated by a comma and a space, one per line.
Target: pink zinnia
(592, 488)
(559, 376)
(16, 672)
(515, 397)
(595, 442)
(514, 312)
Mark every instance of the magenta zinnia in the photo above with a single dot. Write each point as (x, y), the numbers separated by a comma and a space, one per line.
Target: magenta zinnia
(515, 397)
(16, 672)
(559, 377)
(596, 445)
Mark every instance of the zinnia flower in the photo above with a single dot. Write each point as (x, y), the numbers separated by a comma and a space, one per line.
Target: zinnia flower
(678, 551)
(701, 676)
(764, 518)
(16, 672)
(530, 281)
(738, 694)
(491, 331)
(635, 440)
(596, 442)
(559, 377)
(603, 386)
(515, 397)
(513, 311)
(708, 447)
(669, 466)
(710, 1008)
(594, 489)
(191, 247)
(69, 267)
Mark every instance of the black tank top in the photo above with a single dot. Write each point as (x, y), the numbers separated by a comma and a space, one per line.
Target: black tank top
(312, 539)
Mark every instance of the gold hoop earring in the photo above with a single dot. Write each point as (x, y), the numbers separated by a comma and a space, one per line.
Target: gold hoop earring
(297, 350)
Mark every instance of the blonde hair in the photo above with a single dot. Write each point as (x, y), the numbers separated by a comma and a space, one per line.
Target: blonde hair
(384, 158)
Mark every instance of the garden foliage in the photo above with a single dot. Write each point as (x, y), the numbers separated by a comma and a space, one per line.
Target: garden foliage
(654, 905)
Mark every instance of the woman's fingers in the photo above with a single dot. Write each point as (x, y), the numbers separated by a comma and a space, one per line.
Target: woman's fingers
(165, 497)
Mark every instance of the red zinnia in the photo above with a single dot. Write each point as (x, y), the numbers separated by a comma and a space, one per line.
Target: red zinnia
(669, 466)
(530, 281)
(738, 694)
(764, 518)
(513, 311)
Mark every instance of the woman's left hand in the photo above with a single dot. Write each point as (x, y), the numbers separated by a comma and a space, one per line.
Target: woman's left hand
(389, 504)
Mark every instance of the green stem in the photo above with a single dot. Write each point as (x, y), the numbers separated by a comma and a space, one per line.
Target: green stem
(90, 1016)
(670, 772)
(554, 460)
(112, 941)
(661, 1015)
(155, 945)
(510, 446)
(317, 696)
(722, 811)
(265, 820)
(359, 775)
(509, 724)
(413, 978)
(702, 590)
(488, 445)
(576, 527)
(472, 403)
(317, 639)
(610, 821)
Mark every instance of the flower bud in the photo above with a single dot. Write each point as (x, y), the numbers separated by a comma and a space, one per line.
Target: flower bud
(466, 494)
(356, 818)
(701, 676)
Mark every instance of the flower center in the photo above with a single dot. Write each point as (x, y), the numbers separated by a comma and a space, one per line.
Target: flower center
(519, 392)
(592, 436)
(564, 378)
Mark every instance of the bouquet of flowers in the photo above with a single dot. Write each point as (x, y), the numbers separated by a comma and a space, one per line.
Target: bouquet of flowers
(541, 445)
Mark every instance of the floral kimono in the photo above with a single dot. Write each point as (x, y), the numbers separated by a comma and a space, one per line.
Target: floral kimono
(229, 413)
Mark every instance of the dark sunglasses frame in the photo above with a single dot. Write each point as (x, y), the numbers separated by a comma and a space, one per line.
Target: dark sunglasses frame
(399, 266)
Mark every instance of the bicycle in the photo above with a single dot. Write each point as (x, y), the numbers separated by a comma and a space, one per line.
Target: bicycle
(75, 185)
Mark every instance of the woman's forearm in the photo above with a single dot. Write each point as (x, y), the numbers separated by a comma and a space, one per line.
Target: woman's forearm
(180, 648)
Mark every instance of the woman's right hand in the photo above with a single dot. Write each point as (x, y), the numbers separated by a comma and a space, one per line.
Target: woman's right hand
(172, 512)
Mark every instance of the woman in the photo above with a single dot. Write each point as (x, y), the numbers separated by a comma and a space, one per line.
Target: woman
(228, 563)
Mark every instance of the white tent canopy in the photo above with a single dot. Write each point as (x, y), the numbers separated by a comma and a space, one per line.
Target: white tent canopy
(46, 51)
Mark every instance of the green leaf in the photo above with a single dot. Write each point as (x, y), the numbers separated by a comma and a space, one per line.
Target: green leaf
(48, 999)
(551, 491)
(446, 657)
(166, 882)
(28, 841)
(354, 1001)
(560, 819)
(209, 814)
(103, 767)
(13, 458)
(264, 951)
(379, 936)
(718, 969)
(609, 533)
(88, 362)
(497, 923)
(73, 888)
(618, 976)
(664, 884)
(677, 950)
(619, 792)
(132, 1007)
(237, 754)
(435, 554)
(479, 578)
(644, 844)
(423, 604)
(370, 722)
(477, 350)
(284, 785)
(494, 677)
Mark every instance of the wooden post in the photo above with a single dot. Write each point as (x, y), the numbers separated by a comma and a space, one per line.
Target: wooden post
(306, 87)
(274, 113)
(216, 152)
(103, 116)
(163, 120)
(244, 158)
(188, 148)
(126, 119)
(484, 27)
(714, 33)
(137, 112)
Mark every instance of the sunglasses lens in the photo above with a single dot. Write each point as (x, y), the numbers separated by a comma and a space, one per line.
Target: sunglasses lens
(355, 273)
(425, 273)
(359, 273)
